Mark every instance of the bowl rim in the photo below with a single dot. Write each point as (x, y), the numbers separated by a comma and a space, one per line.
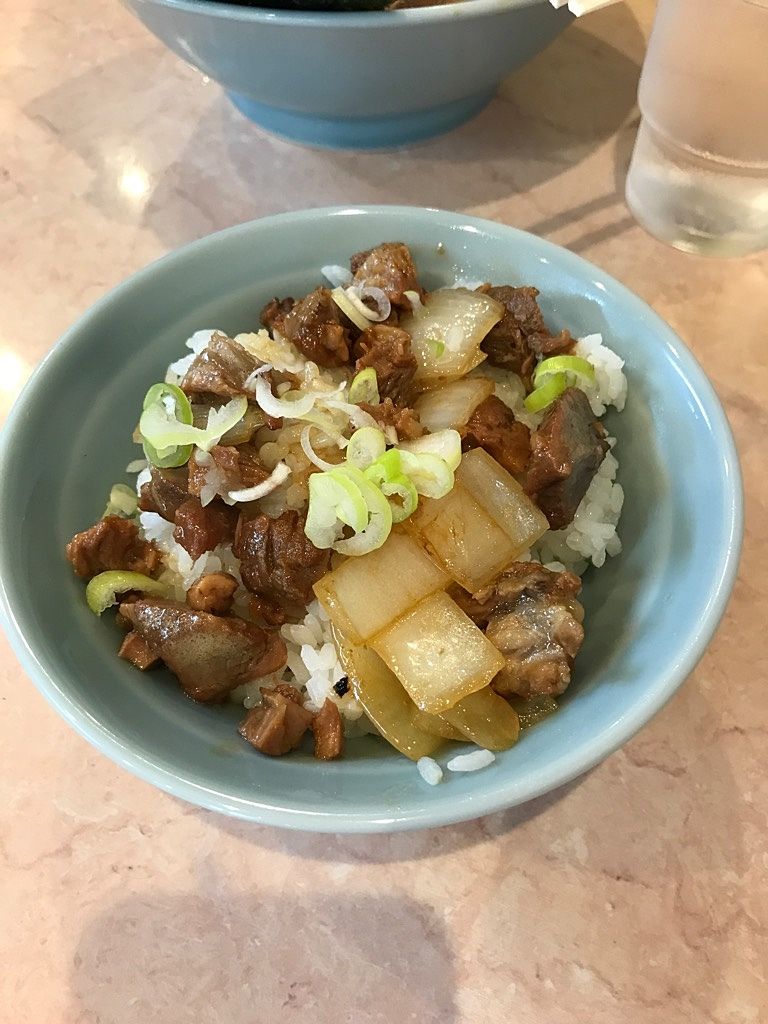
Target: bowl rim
(444, 809)
(341, 19)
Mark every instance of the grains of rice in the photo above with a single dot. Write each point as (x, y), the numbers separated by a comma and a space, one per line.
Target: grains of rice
(471, 762)
(276, 351)
(270, 454)
(470, 283)
(214, 478)
(301, 634)
(430, 770)
(610, 386)
(297, 496)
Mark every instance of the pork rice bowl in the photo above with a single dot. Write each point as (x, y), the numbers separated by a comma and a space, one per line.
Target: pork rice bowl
(370, 515)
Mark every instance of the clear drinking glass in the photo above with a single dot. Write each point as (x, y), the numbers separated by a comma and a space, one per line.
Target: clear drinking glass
(698, 179)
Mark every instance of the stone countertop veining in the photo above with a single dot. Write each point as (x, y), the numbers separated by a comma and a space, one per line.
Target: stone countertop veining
(634, 896)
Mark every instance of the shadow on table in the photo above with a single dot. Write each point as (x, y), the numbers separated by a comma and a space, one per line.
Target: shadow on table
(622, 892)
(609, 203)
(548, 117)
(256, 954)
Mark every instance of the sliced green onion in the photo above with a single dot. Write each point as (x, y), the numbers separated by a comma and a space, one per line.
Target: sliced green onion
(446, 444)
(545, 395)
(576, 367)
(169, 435)
(389, 485)
(329, 505)
(379, 521)
(365, 446)
(101, 592)
(168, 458)
(365, 387)
(161, 396)
(437, 347)
(431, 476)
(386, 467)
(182, 409)
(387, 474)
(322, 525)
(349, 309)
(123, 501)
(222, 420)
(401, 487)
(333, 496)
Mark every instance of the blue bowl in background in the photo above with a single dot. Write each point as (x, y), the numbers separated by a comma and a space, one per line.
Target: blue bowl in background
(362, 80)
(650, 611)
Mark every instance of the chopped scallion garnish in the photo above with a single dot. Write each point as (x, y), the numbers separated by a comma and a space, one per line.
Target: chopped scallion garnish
(101, 592)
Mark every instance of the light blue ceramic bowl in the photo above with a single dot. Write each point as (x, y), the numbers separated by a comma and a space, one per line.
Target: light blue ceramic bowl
(650, 612)
(360, 80)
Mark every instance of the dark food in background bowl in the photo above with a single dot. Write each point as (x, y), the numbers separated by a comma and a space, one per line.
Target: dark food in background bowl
(339, 5)
(340, 427)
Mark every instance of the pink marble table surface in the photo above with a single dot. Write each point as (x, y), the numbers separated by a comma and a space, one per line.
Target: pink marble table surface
(637, 895)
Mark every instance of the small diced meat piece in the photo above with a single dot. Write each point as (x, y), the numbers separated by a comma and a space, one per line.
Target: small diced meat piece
(328, 730)
(277, 726)
(521, 334)
(266, 611)
(165, 492)
(314, 325)
(221, 369)
(212, 593)
(275, 312)
(539, 644)
(135, 649)
(128, 598)
(285, 690)
(388, 350)
(387, 414)
(209, 654)
(518, 580)
(532, 616)
(390, 267)
(566, 452)
(232, 468)
(493, 426)
(201, 529)
(274, 657)
(545, 344)
(112, 543)
(278, 561)
(245, 465)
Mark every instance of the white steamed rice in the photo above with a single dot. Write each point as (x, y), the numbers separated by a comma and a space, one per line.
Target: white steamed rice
(471, 762)
(429, 770)
(313, 663)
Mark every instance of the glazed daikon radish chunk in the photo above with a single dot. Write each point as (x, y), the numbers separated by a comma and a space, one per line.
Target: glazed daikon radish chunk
(438, 653)
(364, 595)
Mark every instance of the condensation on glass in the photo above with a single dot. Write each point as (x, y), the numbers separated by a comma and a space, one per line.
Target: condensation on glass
(698, 179)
